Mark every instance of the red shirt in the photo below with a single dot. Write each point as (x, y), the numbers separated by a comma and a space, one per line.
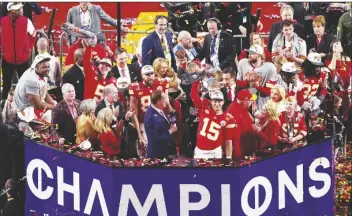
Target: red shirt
(110, 143)
(269, 134)
(94, 85)
(312, 85)
(297, 123)
(98, 50)
(344, 70)
(142, 93)
(213, 129)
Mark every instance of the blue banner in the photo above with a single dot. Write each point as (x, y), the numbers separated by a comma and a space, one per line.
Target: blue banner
(299, 183)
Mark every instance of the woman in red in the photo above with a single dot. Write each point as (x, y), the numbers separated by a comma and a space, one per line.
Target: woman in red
(341, 68)
(267, 126)
(256, 39)
(110, 139)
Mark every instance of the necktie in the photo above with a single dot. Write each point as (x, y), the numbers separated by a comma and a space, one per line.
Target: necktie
(123, 72)
(229, 93)
(212, 48)
(163, 45)
(162, 113)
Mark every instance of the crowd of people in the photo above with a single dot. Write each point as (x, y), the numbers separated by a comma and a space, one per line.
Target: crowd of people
(202, 99)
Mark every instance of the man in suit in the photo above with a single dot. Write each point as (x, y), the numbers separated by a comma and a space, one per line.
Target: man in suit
(229, 81)
(122, 69)
(185, 43)
(75, 75)
(219, 48)
(158, 128)
(286, 13)
(65, 114)
(111, 100)
(89, 15)
(158, 44)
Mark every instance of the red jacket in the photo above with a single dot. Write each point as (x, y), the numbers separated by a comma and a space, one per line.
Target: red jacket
(110, 143)
(267, 137)
(16, 43)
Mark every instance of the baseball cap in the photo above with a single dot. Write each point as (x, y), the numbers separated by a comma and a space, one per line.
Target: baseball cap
(14, 6)
(290, 67)
(246, 95)
(147, 69)
(106, 60)
(315, 59)
(255, 49)
(216, 95)
(41, 58)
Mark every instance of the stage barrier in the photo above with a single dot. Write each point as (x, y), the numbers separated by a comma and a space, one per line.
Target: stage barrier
(299, 182)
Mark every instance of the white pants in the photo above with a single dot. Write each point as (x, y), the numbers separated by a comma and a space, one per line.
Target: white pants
(28, 115)
(208, 154)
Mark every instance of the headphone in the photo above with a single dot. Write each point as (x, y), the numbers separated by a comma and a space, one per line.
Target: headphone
(159, 17)
(218, 23)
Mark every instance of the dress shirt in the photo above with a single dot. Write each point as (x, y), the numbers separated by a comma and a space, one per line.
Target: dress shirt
(233, 92)
(161, 113)
(126, 73)
(85, 17)
(165, 41)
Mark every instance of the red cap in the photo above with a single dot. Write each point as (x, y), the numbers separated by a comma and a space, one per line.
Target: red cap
(246, 95)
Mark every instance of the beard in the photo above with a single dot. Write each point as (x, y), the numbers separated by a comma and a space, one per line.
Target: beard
(252, 60)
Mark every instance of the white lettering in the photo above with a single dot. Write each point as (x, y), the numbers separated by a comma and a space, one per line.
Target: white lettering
(94, 190)
(155, 194)
(255, 182)
(38, 192)
(296, 192)
(225, 200)
(63, 187)
(315, 176)
(185, 205)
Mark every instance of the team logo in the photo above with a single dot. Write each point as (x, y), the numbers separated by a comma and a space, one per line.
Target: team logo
(140, 93)
(206, 111)
(223, 123)
(227, 118)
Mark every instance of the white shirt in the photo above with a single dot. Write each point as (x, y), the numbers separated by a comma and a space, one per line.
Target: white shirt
(161, 112)
(30, 28)
(85, 17)
(127, 73)
(165, 41)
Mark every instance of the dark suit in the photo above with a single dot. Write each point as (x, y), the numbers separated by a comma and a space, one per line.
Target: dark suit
(75, 76)
(102, 105)
(63, 125)
(323, 47)
(160, 143)
(226, 52)
(133, 69)
(276, 29)
(151, 49)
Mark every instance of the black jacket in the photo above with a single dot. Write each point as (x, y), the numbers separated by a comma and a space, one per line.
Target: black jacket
(276, 29)
(75, 76)
(226, 52)
(133, 69)
(323, 47)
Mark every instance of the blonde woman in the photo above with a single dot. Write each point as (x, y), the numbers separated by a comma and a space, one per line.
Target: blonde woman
(85, 123)
(256, 39)
(109, 138)
(277, 96)
(267, 126)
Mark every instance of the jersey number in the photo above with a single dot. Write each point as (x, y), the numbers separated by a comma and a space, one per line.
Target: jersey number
(213, 131)
(311, 90)
(145, 103)
(99, 91)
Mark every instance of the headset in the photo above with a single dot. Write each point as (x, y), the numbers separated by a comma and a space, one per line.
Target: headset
(218, 23)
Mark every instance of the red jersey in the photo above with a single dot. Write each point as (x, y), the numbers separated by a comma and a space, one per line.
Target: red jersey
(344, 70)
(213, 129)
(295, 126)
(312, 85)
(94, 86)
(98, 50)
(142, 93)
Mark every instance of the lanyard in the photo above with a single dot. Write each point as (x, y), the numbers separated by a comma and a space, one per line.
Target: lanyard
(290, 125)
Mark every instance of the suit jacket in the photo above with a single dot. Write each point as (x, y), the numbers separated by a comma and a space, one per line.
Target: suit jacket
(323, 47)
(75, 76)
(97, 14)
(151, 49)
(276, 29)
(158, 135)
(133, 70)
(226, 52)
(63, 125)
(102, 105)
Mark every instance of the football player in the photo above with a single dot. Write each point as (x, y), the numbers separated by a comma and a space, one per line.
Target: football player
(215, 126)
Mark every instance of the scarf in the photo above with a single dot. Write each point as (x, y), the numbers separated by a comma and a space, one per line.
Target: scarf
(279, 44)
